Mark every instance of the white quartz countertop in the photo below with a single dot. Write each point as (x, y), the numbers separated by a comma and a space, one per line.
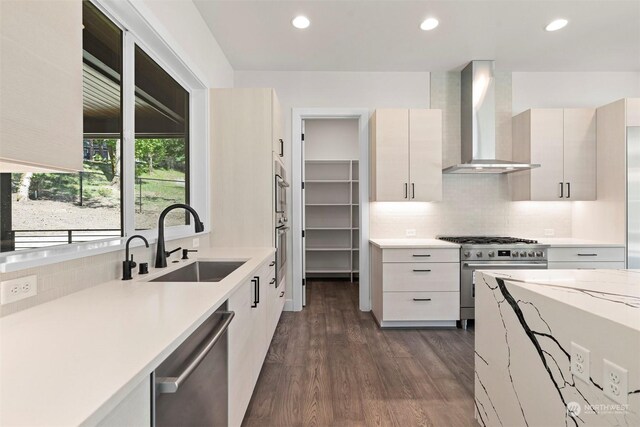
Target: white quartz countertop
(413, 243)
(610, 294)
(71, 360)
(570, 242)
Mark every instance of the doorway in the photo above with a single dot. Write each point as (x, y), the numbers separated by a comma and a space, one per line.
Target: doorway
(330, 161)
(330, 199)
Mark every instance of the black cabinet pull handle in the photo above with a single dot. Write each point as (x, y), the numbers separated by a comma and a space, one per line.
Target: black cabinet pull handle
(281, 148)
(281, 294)
(561, 191)
(421, 255)
(254, 304)
(422, 299)
(406, 190)
(587, 254)
(272, 281)
(425, 271)
(257, 290)
(413, 190)
(568, 190)
(272, 264)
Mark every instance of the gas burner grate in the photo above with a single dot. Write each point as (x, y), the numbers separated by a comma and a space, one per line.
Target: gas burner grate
(486, 240)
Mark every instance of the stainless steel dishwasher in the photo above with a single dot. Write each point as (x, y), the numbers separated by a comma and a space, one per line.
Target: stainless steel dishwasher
(190, 386)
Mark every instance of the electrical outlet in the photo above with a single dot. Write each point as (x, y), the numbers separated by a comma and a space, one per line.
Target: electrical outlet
(549, 232)
(580, 362)
(16, 289)
(196, 243)
(410, 232)
(615, 379)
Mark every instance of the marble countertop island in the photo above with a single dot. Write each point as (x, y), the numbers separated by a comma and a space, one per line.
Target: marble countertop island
(527, 326)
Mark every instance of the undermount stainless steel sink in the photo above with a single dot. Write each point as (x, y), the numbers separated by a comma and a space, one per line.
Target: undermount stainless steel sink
(201, 271)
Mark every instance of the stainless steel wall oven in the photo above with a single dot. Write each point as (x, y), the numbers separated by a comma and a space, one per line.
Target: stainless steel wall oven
(281, 221)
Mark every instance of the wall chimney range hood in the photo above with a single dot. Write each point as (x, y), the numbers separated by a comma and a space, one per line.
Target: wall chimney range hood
(478, 122)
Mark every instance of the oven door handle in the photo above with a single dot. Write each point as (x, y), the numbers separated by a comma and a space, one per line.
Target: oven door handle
(486, 266)
(281, 181)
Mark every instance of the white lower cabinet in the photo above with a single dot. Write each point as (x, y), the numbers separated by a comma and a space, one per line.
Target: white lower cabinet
(608, 257)
(257, 306)
(133, 410)
(413, 287)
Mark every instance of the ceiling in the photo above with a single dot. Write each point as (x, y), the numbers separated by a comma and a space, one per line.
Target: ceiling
(359, 35)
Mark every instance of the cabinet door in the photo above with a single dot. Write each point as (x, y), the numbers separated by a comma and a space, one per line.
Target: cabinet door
(278, 126)
(133, 410)
(547, 141)
(241, 348)
(580, 153)
(391, 145)
(41, 86)
(259, 324)
(425, 155)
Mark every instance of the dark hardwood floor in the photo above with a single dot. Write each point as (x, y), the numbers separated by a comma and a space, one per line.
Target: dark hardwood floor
(330, 365)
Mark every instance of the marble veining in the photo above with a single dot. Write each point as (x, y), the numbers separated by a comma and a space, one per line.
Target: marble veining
(526, 309)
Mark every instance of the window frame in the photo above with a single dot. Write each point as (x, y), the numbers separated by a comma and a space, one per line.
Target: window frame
(141, 28)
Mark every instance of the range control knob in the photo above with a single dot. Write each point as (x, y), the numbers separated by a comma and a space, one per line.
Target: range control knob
(540, 254)
(532, 254)
(479, 254)
(523, 254)
(515, 254)
(467, 254)
(492, 254)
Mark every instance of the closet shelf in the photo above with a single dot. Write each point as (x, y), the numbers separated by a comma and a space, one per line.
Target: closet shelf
(328, 249)
(326, 181)
(327, 204)
(328, 228)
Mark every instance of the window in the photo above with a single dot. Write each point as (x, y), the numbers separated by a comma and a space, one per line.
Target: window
(46, 209)
(162, 158)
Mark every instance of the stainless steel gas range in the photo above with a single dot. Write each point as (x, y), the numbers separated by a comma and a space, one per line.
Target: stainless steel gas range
(492, 253)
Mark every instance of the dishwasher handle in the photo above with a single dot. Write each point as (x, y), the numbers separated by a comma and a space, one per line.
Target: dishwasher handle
(171, 384)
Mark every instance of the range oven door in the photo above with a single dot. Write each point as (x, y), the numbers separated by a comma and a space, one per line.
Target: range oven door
(281, 252)
(467, 279)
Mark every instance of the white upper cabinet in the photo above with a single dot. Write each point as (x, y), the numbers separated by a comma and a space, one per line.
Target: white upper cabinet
(563, 142)
(406, 155)
(41, 86)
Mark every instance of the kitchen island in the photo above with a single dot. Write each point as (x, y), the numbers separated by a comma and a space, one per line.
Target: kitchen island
(531, 326)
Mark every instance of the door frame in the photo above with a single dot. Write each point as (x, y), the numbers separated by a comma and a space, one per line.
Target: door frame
(299, 114)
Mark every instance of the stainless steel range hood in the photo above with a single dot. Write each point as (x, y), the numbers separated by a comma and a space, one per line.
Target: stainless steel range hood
(478, 121)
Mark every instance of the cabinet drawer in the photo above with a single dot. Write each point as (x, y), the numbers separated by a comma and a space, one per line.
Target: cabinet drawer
(415, 306)
(420, 277)
(421, 255)
(604, 265)
(585, 254)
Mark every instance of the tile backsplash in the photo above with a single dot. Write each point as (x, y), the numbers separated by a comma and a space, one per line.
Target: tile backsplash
(63, 278)
(472, 204)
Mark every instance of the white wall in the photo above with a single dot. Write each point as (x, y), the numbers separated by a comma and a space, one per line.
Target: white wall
(331, 139)
(566, 90)
(190, 38)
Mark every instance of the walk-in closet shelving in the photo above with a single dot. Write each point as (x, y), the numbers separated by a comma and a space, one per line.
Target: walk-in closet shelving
(331, 218)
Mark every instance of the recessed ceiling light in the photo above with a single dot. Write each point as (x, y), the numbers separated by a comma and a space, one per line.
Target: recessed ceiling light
(429, 24)
(556, 24)
(300, 22)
